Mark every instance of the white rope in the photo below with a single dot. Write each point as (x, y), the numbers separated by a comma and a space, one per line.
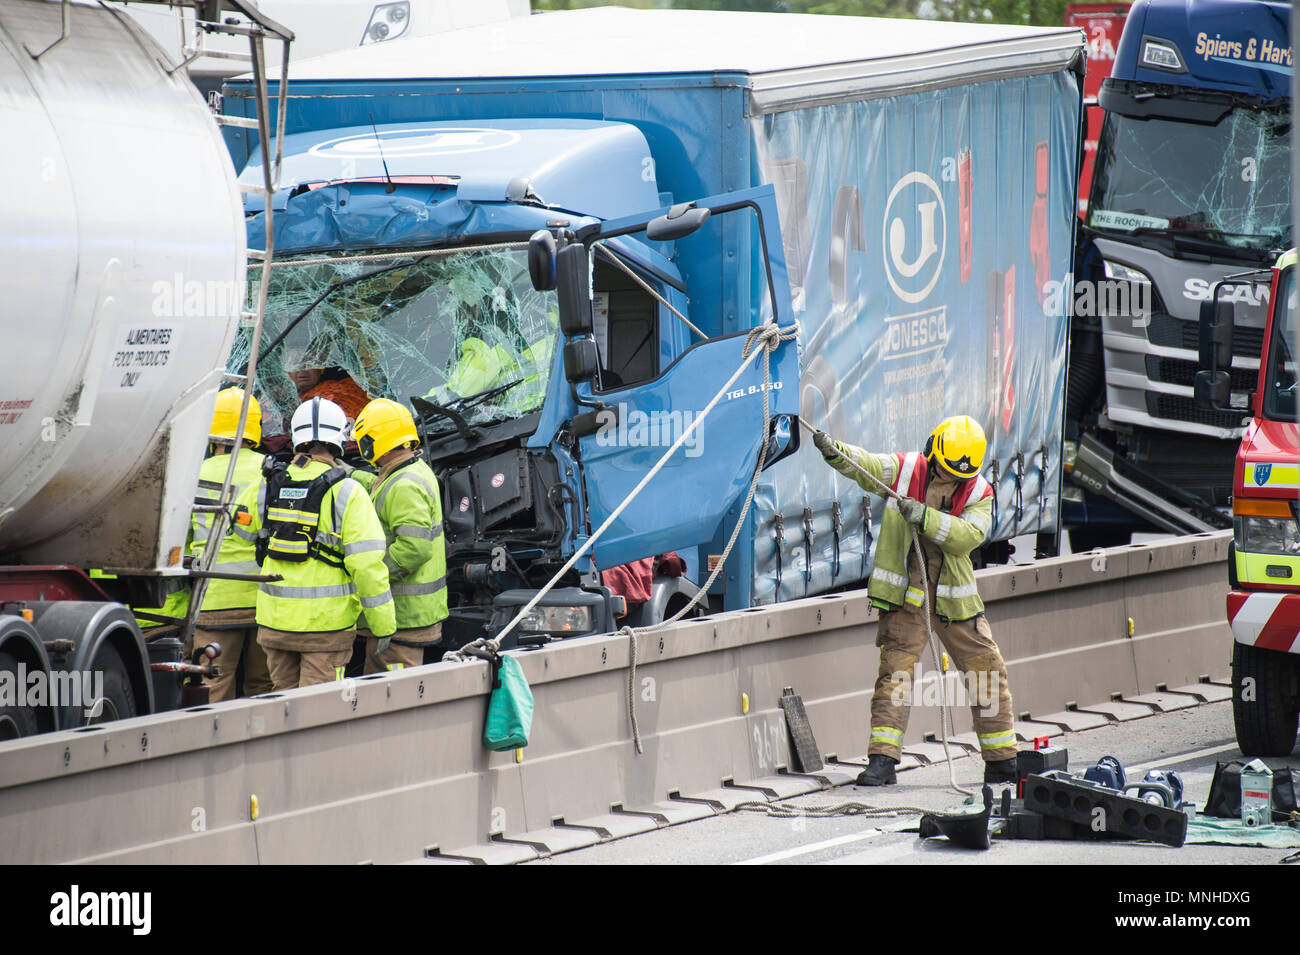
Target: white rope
(945, 716)
(600, 247)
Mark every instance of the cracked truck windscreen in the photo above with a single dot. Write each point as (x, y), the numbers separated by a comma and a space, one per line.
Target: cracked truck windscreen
(437, 325)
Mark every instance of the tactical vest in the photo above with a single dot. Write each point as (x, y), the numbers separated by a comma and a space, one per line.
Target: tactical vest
(291, 516)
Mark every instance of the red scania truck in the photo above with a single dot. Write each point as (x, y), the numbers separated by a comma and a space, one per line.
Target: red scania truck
(1264, 567)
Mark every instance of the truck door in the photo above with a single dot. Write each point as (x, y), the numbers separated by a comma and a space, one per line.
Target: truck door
(685, 503)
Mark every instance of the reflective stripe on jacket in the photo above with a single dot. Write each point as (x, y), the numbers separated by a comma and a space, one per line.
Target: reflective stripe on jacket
(410, 510)
(955, 533)
(315, 597)
(238, 548)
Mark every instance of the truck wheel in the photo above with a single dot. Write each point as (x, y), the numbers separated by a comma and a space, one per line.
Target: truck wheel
(119, 701)
(15, 721)
(1265, 700)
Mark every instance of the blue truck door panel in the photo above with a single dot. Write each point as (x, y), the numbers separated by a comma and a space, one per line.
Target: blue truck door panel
(687, 500)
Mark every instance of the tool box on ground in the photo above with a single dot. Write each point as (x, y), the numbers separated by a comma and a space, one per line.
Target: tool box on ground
(1272, 799)
(1054, 804)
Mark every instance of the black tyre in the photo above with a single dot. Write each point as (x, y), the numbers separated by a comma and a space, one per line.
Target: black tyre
(1265, 700)
(15, 721)
(1087, 538)
(118, 699)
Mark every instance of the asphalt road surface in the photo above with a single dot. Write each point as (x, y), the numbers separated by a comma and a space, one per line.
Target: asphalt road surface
(1189, 741)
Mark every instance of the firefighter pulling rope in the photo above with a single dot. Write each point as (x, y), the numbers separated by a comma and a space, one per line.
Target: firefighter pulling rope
(945, 722)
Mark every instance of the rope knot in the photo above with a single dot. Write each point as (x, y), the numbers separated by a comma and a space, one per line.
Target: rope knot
(768, 335)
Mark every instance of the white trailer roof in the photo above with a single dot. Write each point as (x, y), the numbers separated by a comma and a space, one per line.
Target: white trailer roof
(790, 59)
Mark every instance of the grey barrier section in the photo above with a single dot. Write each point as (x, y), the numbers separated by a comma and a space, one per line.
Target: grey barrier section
(390, 768)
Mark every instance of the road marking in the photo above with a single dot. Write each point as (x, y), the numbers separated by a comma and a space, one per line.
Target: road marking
(1179, 758)
(811, 847)
(876, 856)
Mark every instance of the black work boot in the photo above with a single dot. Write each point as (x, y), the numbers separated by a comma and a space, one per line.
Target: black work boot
(1001, 771)
(879, 771)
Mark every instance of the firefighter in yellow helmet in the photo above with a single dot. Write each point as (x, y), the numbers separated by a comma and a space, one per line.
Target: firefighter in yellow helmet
(951, 508)
(409, 505)
(229, 612)
(317, 530)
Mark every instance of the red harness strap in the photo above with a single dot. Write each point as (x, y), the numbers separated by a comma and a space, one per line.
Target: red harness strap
(976, 487)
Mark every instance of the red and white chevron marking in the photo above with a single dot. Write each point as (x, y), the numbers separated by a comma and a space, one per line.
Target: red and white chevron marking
(1271, 621)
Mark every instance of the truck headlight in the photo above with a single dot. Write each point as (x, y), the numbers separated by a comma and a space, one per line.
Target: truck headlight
(1126, 273)
(1267, 535)
(568, 620)
(1162, 55)
(388, 21)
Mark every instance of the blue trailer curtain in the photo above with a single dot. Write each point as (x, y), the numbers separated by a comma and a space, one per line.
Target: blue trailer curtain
(929, 241)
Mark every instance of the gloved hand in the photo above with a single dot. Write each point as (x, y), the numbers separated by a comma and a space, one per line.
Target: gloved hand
(913, 511)
(825, 444)
(347, 468)
(381, 644)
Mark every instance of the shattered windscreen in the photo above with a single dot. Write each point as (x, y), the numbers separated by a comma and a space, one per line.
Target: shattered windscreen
(438, 325)
(1229, 183)
(1279, 393)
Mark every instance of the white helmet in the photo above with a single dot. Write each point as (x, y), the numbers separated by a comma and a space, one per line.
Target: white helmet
(319, 420)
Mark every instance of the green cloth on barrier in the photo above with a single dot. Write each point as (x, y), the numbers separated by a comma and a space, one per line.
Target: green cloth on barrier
(510, 708)
(1231, 832)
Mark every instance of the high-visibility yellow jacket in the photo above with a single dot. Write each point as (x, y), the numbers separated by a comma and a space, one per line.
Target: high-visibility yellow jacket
(956, 534)
(315, 596)
(410, 510)
(238, 547)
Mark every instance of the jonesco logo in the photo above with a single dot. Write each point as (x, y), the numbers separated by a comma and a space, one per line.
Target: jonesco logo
(416, 143)
(913, 237)
(78, 908)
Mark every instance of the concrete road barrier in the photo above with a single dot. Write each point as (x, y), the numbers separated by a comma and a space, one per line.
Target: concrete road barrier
(391, 768)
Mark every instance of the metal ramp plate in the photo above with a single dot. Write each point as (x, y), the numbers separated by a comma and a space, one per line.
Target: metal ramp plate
(780, 787)
(1118, 711)
(1074, 721)
(832, 775)
(803, 750)
(967, 742)
(1164, 702)
(860, 762)
(555, 839)
(436, 860)
(722, 799)
(671, 812)
(1029, 730)
(616, 825)
(494, 853)
(930, 753)
(1206, 692)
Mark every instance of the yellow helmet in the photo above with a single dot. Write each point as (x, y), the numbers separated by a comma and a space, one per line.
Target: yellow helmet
(958, 445)
(383, 425)
(225, 418)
